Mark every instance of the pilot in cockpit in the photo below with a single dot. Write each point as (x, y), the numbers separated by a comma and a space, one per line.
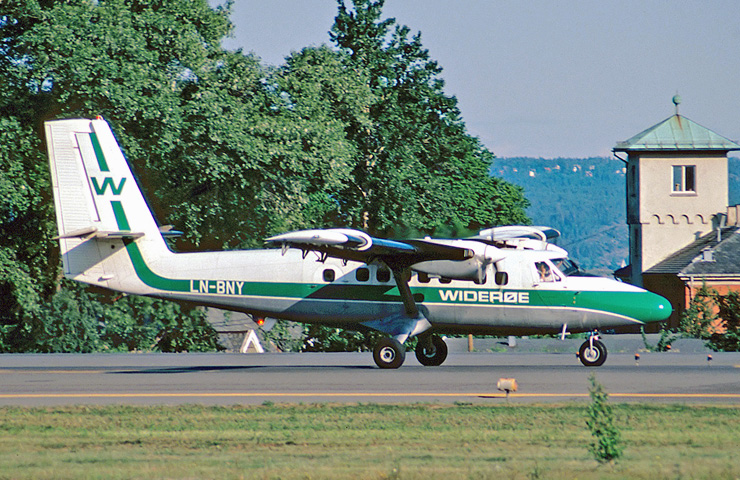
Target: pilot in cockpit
(543, 269)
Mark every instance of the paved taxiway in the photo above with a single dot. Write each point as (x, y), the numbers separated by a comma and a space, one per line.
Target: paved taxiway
(227, 379)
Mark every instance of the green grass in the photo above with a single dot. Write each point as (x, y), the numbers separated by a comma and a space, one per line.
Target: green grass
(363, 442)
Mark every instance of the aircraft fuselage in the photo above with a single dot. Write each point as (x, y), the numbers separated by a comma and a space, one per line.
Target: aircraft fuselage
(287, 286)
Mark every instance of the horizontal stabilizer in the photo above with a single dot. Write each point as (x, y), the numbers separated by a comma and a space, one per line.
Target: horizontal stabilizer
(168, 231)
(92, 232)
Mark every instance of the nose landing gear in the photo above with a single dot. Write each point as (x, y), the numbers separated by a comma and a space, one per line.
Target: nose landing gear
(592, 353)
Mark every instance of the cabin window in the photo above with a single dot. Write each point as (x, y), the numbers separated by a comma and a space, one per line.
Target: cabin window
(362, 274)
(445, 280)
(684, 178)
(501, 278)
(383, 275)
(423, 277)
(329, 275)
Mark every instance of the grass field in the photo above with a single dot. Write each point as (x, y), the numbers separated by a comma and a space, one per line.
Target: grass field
(364, 442)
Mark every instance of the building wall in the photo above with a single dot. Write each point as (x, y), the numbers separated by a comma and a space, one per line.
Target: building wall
(663, 221)
(663, 237)
(656, 178)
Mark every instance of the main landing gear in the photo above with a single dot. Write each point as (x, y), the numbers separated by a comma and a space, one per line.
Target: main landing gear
(389, 353)
(592, 353)
(431, 351)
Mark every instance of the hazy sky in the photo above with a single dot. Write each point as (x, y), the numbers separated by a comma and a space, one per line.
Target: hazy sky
(548, 78)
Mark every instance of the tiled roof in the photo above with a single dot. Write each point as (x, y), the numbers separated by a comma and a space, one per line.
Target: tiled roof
(724, 258)
(676, 133)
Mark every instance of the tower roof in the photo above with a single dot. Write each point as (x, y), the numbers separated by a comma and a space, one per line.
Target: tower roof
(676, 133)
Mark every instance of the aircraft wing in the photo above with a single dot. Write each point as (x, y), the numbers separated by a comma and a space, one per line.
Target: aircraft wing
(348, 244)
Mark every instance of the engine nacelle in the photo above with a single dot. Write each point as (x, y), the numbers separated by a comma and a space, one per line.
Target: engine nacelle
(474, 268)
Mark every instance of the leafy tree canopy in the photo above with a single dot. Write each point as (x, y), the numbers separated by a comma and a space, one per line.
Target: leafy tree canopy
(227, 149)
(418, 168)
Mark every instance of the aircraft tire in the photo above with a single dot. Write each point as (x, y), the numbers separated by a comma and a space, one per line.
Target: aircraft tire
(389, 353)
(592, 357)
(434, 357)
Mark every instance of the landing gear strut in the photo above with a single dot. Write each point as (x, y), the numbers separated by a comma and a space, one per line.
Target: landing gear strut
(431, 351)
(389, 353)
(592, 353)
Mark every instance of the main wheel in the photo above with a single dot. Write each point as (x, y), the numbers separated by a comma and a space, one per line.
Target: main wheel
(389, 353)
(431, 356)
(592, 357)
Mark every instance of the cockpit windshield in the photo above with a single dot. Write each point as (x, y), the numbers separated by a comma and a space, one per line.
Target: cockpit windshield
(567, 266)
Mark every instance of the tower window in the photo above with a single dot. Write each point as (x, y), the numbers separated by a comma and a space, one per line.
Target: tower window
(684, 178)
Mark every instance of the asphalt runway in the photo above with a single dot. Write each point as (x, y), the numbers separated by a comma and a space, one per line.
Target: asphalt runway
(227, 379)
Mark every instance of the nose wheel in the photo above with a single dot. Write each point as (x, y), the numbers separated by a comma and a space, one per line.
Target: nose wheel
(592, 353)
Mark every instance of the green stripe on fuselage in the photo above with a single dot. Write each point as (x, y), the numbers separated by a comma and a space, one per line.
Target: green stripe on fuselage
(201, 286)
(150, 278)
(635, 305)
(638, 305)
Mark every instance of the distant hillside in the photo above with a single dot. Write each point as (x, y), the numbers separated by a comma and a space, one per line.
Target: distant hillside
(734, 170)
(584, 198)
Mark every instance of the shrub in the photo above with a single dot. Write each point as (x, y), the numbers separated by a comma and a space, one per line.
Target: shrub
(606, 445)
(714, 318)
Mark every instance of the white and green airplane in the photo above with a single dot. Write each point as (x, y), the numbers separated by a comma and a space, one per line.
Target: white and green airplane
(505, 281)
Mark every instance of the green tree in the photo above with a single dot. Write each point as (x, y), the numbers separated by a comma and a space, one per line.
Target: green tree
(65, 323)
(128, 60)
(729, 312)
(27, 276)
(310, 156)
(228, 150)
(418, 168)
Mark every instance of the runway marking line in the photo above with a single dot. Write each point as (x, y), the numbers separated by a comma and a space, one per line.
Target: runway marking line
(356, 394)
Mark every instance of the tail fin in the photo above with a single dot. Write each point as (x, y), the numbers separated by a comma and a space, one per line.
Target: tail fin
(98, 204)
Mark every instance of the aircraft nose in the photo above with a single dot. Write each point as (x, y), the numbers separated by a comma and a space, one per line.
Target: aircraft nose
(654, 308)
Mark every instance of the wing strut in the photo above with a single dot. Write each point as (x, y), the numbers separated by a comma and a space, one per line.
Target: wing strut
(407, 324)
(409, 304)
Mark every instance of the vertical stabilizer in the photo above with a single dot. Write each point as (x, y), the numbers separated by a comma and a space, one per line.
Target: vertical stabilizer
(99, 206)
